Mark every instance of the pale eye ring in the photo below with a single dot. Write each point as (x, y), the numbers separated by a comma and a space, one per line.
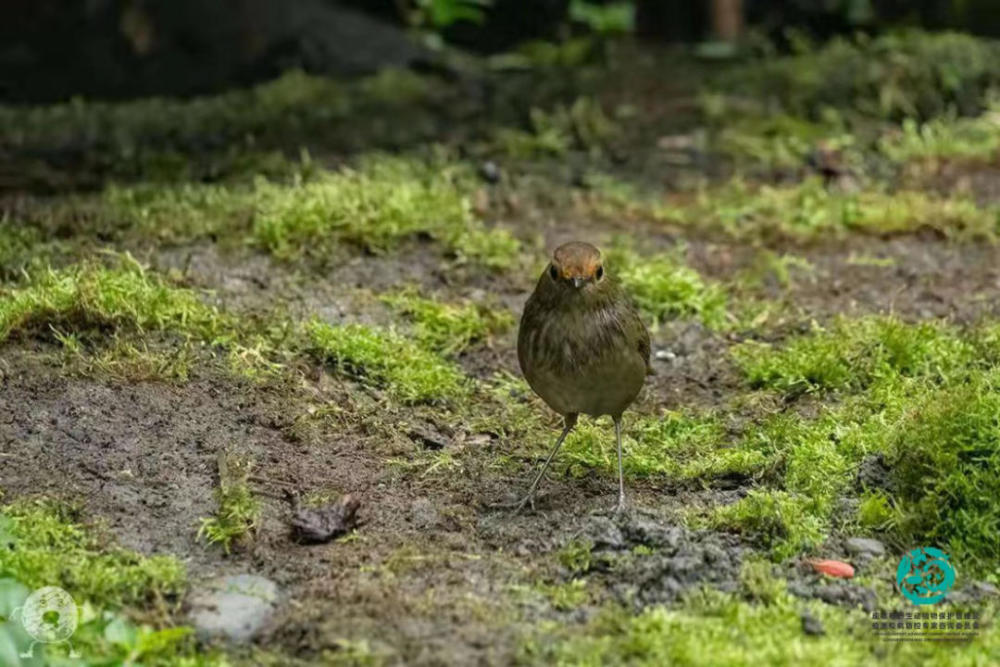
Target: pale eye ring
(553, 272)
(600, 272)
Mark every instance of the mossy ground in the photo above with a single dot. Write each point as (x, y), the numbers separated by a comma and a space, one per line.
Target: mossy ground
(196, 332)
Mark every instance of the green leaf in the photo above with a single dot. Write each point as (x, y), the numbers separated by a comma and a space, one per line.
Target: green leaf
(121, 633)
(12, 595)
(156, 641)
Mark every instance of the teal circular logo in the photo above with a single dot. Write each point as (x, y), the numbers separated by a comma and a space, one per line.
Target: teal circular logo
(925, 575)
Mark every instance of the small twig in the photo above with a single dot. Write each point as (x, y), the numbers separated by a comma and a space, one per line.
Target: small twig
(265, 480)
(271, 494)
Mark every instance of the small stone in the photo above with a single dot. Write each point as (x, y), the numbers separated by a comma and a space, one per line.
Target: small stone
(985, 588)
(976, 592)
(490, 172)
(664, 355)
(830, 594)
(812, 625)
(232, 608)
(865, 546)
(799, 589)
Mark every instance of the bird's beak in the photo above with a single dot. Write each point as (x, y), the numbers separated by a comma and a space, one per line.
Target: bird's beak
(578, 282)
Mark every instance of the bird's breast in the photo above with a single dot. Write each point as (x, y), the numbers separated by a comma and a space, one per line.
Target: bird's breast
(581, 364)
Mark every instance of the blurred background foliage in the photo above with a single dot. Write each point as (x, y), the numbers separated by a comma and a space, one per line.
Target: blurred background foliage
(52, 50)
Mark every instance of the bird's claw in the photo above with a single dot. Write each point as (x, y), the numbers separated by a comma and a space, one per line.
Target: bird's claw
(529, 500)
(516, 507)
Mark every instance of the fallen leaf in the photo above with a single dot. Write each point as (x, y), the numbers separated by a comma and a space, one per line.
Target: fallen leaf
(314, 525)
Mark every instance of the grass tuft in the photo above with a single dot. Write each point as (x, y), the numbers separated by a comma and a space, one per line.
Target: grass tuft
(671, 445)
(445, 327)
(852, 354)
(944, 455)
(239, 511)
(90, 295)
(945, 138)
(386, 359)
(664, 287)
(777, 520)
(384, 201)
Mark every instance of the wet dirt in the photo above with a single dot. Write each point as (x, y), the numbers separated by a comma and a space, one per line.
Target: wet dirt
(435, 574)
(433, 565)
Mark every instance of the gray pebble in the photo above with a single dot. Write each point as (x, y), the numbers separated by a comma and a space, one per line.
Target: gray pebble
(865, 546)
(232, 608)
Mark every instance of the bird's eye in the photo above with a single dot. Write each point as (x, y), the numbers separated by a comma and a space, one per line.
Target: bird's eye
(600, 272)
(553, 273)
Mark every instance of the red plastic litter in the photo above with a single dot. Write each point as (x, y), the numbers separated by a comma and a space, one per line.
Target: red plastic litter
(833, 568)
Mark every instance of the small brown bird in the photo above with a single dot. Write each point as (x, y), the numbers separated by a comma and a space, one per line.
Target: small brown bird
(582, 346)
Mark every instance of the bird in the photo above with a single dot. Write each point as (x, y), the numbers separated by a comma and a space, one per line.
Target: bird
(582, 347)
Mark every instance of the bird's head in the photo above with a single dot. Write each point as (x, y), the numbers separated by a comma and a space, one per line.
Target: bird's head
(576, 266)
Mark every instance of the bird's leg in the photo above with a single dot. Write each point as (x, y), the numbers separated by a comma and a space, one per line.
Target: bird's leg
(620, 507)
(529, 497)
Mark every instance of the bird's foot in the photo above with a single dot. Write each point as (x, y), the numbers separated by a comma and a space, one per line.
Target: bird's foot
(528, 500)
(516, 507)
(621, 509)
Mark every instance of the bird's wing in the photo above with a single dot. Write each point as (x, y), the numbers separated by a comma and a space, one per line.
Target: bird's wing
(641, 334)
(644, 349)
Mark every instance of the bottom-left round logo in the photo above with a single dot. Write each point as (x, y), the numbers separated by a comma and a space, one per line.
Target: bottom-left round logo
(49, 616)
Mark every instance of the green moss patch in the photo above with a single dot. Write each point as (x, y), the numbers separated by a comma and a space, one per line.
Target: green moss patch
(809, 210)
(897, 75)
(379, 204)
(52, 548)
(19, 247)
(582, 125)
(734, 632)
(664, 287)
(447, 327)
(180, 213)
(975, 138)
(376, 205)
(944, 455)
(384, 357)
(852, 354)
(294, 98)
(777, 142)
(920, 395)
(124, 321)
(90, 295)
(671, 445)
(45, 543)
